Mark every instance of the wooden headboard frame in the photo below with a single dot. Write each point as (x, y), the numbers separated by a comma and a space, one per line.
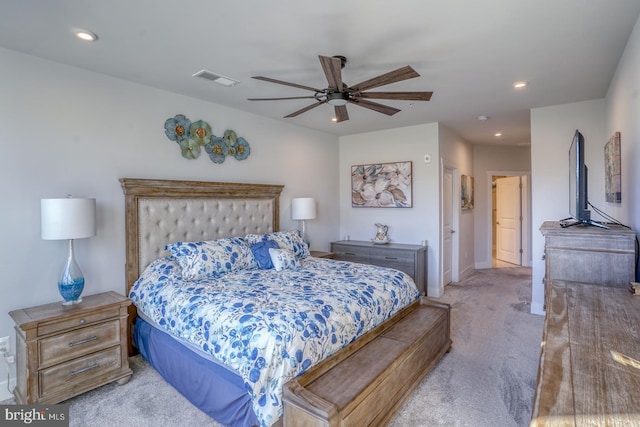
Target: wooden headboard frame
(158, 212)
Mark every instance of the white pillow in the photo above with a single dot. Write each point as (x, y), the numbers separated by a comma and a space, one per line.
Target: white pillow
(283, 259)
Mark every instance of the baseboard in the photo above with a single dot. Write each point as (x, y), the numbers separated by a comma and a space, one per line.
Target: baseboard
(483, 265)
(537, 308)
(466, 273)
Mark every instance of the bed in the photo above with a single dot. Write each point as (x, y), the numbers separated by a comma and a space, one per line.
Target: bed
(226, 332)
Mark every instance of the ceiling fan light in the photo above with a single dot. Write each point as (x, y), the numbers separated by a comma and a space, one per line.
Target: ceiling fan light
(337, 102)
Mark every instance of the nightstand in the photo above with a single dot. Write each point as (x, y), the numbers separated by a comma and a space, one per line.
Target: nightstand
(63, 351)
(320, 254)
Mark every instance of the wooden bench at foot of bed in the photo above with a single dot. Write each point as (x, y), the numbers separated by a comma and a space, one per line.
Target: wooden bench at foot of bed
(367, 382)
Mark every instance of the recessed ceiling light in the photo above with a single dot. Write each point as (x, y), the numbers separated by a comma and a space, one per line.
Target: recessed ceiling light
(334, 119)
(85, 35)
(520, 85)
(498, 134)
(483, 118)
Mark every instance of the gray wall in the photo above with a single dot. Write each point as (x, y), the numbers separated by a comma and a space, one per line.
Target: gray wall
(486, 160)
(68, 131)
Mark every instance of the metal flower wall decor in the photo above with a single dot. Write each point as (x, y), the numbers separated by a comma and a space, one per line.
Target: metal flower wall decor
(192, 136)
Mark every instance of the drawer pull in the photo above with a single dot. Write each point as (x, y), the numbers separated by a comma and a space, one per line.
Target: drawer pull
(79, 371)
(83, 321)
(391, 257)
(349, 253)
(75, 343)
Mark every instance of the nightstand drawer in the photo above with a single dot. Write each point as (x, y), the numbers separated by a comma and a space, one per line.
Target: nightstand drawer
(68, 346)
(73, 322)
(66, 376)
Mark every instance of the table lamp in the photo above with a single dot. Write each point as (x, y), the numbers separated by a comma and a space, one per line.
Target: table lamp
(303, 208)
(70, 218)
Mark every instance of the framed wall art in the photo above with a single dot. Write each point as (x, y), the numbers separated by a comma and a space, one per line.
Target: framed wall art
(382, 185)
(612, 175)
(466, 192)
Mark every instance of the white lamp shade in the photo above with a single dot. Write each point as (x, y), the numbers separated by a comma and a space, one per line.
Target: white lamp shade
(303, 208)
(68, 218)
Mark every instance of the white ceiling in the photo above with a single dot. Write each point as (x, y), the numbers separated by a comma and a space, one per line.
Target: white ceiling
(468, 52)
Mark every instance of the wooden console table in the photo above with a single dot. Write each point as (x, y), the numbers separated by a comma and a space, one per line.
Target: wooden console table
(589, 371)
(589, 254)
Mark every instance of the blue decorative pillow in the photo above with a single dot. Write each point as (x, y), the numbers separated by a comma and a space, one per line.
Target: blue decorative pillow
(261, 253)
(202, 259)
(291, 239)
(283, 259)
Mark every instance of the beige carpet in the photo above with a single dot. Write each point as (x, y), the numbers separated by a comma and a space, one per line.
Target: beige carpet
(486, 380)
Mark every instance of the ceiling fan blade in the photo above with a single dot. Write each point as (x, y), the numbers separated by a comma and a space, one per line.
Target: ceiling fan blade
(278, 99)
(332, 70)
(384, 109)
(407, 96)
(305, 109)
(398, 75)
(341, 113)
(280, 82)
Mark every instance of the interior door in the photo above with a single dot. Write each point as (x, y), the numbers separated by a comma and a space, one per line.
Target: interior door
(447, 225)
(508, 217)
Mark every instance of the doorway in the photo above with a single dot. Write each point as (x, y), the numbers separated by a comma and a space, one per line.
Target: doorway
(450, 221)
(509, 219)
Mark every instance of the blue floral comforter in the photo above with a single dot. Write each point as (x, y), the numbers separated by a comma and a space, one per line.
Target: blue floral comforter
(270, 326)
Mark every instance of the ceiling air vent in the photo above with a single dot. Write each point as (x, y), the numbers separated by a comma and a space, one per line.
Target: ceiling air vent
(216, 78)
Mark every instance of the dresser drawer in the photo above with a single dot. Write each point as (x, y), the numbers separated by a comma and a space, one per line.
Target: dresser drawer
(350, 253)
(78, 342)
(408, 268)
(393, 255)
(66, 376)
(73, 322)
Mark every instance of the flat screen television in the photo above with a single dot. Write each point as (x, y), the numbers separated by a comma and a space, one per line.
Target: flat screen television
(578, 194)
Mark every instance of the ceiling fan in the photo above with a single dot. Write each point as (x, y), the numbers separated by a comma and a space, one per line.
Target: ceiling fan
(339, 94)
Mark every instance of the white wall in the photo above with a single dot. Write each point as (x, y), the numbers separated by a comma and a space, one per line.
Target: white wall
(457, 154)
(623, 115)
(64, 131)
(488, 159)
(406, 225)
(552, 129)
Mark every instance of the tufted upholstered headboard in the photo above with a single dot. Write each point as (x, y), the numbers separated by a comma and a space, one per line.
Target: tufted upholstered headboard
(158, 212)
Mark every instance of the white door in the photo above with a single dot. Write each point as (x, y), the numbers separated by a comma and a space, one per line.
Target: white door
(447, 225)
(508, 216)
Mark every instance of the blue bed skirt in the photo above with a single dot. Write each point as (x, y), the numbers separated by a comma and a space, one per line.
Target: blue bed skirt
(214, 389)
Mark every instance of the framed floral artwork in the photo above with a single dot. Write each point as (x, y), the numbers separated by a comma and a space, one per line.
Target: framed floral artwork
(466, 192)
(382, 185)
(612, 175)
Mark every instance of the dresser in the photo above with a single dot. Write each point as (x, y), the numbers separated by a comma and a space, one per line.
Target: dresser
(63, 351)
(411, 259)
(589, 254)
(589, 372)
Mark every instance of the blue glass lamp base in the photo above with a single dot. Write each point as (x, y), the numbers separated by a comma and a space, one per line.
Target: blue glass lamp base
(71, 282)
(71, 292)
